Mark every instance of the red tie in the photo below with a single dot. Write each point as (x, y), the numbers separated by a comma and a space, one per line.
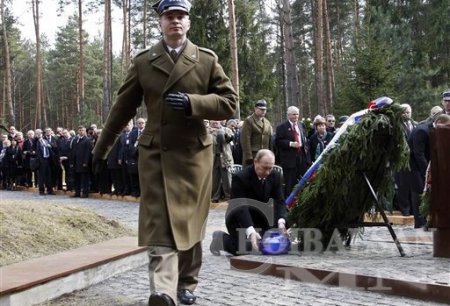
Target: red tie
(296, 136)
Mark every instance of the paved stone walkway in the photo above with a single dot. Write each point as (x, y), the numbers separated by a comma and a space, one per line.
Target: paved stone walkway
(372, 253)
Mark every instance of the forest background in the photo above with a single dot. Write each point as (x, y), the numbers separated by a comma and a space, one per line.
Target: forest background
(325, 56)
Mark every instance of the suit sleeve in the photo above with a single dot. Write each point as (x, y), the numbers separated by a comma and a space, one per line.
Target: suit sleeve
(419, 145)
(281, 140)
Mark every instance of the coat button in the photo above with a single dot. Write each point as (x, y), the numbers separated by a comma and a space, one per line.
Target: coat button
(164, 148)
(164, 122)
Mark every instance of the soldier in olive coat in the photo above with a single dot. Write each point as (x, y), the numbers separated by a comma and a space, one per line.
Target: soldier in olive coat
(256, 133)
(175, 150)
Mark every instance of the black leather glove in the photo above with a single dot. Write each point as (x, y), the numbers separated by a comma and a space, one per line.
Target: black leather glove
(179, 101)
(98, 165)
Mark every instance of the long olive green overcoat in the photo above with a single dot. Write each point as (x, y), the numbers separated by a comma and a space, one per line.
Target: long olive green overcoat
(256, 134)
(175, 150)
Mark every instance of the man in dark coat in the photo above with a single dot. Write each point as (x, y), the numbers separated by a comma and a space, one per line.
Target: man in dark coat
(44, 154)
(56, 163)
(403, 186)
(28, 150)
(64, 142)
(180, 84)
(122, 154)
(257, 182)
(293, 149)
(132, 157)
(419, 145)
(80, 155)
(114, 165)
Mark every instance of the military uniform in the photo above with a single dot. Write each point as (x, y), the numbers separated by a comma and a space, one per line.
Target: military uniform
(175, 150)
(256, 134)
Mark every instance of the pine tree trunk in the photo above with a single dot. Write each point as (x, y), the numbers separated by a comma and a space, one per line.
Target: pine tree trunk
(329, 58)
(107, 62)
(292, 86)
(318, 54)
(81, 46)
(126, 36)
(7, 68)
(356, 18)
(39, 104)
(233, 53)
(339, 38)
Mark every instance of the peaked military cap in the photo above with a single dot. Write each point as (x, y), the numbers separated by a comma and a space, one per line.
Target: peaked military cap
(262, 104)
(164, 6)
(446, 95)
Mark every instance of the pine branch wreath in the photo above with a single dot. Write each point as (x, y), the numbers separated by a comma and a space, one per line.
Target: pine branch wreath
(339, 195)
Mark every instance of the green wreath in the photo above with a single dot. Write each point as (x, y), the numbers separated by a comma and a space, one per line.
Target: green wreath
(338, 195)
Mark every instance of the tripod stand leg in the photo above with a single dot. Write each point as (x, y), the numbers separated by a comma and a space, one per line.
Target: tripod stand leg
(385, 219)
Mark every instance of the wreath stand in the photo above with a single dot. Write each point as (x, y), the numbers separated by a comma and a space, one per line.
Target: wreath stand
(386, 223)
(378, 174)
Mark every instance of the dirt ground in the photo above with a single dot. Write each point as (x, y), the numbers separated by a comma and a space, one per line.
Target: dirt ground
(34, 229)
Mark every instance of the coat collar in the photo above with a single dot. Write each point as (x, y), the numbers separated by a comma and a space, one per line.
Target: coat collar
(161, 60)
(257, 121)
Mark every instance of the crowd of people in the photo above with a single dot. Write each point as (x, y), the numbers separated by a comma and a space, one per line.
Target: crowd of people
(60, 159)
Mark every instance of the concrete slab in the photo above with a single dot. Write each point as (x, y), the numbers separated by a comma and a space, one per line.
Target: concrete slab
(41, 279)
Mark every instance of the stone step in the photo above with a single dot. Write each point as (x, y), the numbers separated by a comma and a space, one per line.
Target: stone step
(41, 279)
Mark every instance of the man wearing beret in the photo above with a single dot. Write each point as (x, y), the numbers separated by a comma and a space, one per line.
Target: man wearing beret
(181, 84)
(256, 133)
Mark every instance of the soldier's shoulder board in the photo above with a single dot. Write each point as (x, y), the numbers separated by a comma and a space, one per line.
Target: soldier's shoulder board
(206, 50)
(141, 52)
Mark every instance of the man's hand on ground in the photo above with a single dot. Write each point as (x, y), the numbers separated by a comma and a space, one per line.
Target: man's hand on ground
(254, 239)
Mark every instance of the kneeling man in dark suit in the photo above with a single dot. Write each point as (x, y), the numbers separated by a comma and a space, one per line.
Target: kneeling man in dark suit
(248, 211)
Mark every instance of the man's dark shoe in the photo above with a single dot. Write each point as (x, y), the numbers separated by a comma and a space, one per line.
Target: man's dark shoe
(75, 195)
(186, 296)
(84, 195)
(160, 299)
(216, 244)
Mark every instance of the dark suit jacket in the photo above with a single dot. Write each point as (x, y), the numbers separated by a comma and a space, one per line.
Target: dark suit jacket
(113, 157)
(131, 152)
(419, 145)
(64, 146)
(246, 184)
(53, 141)
(124, 141)
(40, 151)
(28, 150)
(287, 154)
(81, 154)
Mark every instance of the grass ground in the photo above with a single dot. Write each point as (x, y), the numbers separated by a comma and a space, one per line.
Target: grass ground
(29, 229)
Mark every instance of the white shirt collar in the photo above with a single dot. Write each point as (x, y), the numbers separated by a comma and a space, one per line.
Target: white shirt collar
(176, 49)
